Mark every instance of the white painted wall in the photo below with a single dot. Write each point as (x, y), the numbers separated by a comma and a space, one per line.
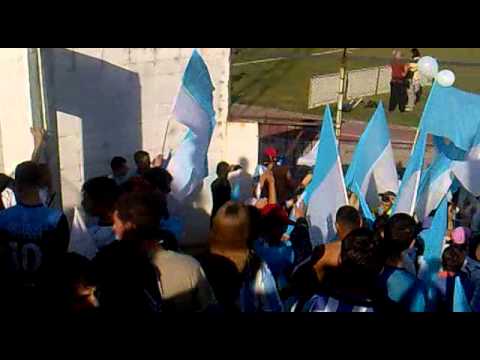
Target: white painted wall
(104, 102)
(115, 101)
(15, 111)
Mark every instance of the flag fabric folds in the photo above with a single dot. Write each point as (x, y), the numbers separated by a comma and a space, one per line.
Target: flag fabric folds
(81, 241)
(194, 109)
(373, 169)
(435, 183)
(326, 192)
(460, 301)
(430, 263)
(308, 159)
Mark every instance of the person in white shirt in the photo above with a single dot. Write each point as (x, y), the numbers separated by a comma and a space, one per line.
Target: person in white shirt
(6, 191)
(99, 197)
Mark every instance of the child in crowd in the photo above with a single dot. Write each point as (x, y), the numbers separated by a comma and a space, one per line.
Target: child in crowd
(401, 286)
(453, 261)
(278, 254)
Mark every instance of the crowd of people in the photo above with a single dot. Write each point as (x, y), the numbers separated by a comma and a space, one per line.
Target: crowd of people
(405, 85)
(259, 256)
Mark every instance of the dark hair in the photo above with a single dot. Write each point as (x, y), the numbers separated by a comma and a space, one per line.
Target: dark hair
(144, 210)
(474, 243)
(102, 190)
(348, 216)
(137, 184)
(400, 231)
(117, 163)
(380, 223)
(222, 169)
(416, 53)
(255, 224)
(64, 275)
(141, 156)
(77, 269)
(5, 181)
(453, 258)
(159, 178)
(362, 254)
(27, 174)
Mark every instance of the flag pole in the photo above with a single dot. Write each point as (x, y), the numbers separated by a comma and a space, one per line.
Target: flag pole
(341, 94)
(166, 134)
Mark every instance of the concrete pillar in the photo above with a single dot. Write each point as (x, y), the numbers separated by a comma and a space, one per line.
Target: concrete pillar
(15, 109)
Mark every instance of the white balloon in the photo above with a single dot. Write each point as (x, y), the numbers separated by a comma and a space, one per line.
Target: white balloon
(446, 78)
(428, 66)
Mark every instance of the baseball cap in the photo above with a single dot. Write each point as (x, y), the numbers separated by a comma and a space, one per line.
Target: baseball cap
(270, 152)
(276, 213)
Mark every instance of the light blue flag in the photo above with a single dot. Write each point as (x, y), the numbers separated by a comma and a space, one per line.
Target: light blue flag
(434, 237)
(467, 171)
(372, 170)
(407, 197)
(194, 109)
(460, 301)
(364, 208)
(435, 183)
(326, 192)
(453, 114)
(430, 263)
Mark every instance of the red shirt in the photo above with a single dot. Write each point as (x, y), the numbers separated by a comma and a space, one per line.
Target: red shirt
(399, 70)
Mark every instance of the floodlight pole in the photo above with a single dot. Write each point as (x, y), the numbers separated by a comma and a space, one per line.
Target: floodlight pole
(341, 93)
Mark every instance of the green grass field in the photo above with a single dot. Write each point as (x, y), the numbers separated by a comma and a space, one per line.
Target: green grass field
(284, 84)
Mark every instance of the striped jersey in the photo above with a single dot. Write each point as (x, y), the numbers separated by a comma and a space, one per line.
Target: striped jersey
(324, 303)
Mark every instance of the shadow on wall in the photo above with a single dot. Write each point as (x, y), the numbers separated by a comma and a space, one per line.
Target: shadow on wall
(105, 97)
(196, 232)
(241, 182)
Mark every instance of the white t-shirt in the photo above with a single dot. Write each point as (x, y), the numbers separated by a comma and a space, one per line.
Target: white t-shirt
(183, 283)
(8, 198)
(241, 183)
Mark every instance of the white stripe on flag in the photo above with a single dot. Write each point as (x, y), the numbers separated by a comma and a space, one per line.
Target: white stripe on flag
(189, 113)
(433, 195)
(329, 195)
(407, 199)
(381, 177)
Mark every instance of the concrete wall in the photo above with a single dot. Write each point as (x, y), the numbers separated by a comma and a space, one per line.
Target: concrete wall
(242, 145)
(115, 101)
(15, 121)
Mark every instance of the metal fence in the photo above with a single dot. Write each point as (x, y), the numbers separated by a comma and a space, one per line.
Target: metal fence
(364, 82)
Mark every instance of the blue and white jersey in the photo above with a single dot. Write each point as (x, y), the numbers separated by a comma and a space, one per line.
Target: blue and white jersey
(324, 303)
(30, 235)
(259, 292)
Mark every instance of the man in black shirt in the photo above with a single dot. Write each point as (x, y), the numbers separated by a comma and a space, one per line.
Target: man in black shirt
(32, 237)
(221, 189)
